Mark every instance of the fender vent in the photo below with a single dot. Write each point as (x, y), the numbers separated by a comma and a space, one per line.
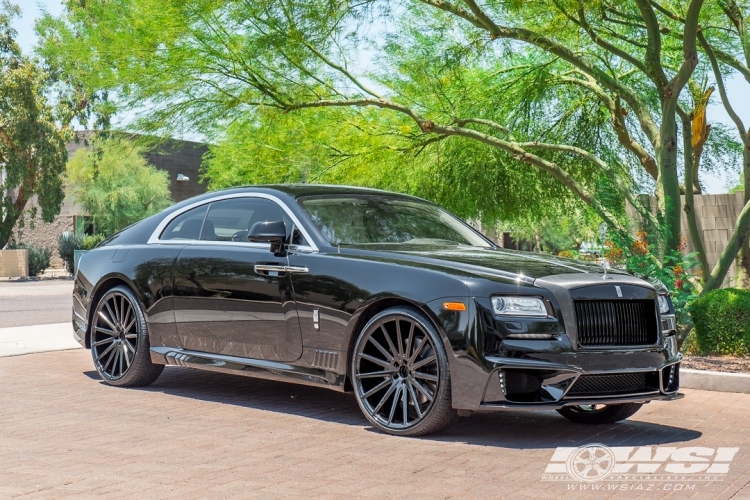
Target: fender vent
(328, 360)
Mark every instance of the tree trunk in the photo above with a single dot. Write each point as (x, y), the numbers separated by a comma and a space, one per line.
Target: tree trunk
(691, 164)
(11, 217)
(669, 182)
(742, 268)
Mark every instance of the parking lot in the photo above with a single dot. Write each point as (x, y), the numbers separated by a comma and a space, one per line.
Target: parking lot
(64, 434)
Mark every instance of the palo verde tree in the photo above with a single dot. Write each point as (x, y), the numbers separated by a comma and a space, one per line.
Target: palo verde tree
(604, 98)
(32, 144)
(115, 184)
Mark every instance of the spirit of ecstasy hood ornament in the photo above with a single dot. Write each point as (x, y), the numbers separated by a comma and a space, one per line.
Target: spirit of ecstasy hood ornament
(606, 266)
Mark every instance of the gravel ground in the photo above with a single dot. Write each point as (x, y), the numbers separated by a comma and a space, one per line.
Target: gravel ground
(717, 363)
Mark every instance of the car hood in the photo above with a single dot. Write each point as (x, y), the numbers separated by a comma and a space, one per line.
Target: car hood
(493, 261)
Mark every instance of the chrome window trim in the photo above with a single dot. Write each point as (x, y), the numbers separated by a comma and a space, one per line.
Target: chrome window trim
(154, 238)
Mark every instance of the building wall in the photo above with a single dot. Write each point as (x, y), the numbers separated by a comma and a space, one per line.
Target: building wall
(716, 215)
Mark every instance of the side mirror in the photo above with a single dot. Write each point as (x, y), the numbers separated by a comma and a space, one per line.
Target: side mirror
(273, 232)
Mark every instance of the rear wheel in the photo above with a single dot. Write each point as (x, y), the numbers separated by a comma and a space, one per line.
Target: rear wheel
(401, 376)
(119, 341)
(599, 414)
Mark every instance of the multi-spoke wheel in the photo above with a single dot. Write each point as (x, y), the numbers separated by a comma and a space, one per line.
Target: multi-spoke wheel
(400, 374)
(119, 340)
(599, 414)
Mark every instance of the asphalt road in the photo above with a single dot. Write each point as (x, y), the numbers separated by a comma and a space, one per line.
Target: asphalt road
(35, 303)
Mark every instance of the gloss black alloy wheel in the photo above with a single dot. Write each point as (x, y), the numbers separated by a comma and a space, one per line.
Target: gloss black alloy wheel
(401, 375)
(119, 340)
(599, 414)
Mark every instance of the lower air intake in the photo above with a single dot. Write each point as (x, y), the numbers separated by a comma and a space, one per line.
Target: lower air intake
(614, 385)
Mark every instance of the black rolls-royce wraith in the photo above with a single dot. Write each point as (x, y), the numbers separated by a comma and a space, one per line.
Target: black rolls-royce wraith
(381, 294)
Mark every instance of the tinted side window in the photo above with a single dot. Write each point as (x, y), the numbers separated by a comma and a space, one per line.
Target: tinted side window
(231, 220)
(186, 226)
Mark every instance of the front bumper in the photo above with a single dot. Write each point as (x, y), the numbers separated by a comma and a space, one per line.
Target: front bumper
(515, 383)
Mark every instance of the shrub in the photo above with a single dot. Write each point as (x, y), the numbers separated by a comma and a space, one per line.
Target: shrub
(90, 242)
(67, 243)
(722, 322)
(39, 256)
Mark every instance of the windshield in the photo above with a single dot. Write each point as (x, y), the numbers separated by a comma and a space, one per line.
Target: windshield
(369, 219)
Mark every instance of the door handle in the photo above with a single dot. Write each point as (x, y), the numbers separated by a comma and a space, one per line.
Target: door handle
(278, 268)
(297, 269)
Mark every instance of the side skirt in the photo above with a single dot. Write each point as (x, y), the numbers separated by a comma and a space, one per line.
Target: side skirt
(258, 368)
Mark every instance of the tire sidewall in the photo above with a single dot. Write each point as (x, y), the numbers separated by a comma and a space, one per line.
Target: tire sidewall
(142, 348)
(443, 392)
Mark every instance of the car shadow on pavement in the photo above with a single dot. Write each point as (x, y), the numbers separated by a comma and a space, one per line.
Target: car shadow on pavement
(520, 429)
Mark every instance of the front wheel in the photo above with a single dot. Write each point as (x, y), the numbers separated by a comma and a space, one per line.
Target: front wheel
(401, 376)
(119, 341)
(599, 414)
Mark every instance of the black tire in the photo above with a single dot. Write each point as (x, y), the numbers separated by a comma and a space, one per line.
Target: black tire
(119, 341)
(599, 414)
(403, 378)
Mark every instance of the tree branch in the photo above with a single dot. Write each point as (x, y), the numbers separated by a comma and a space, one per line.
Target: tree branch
(640, 108)
(722, 90)
(653, 52)
(624, 189)
(483, 18)
(619, 125)
(511, 147)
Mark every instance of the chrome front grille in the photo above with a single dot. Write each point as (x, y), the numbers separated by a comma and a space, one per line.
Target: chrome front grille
(616, 322)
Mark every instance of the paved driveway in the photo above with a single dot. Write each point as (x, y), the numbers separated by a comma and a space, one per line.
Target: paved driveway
(64, 434)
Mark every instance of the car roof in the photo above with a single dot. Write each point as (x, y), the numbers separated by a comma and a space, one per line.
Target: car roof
(300, 190)
(297, 191)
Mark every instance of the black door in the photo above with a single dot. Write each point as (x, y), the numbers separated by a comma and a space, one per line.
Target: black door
(232, 297)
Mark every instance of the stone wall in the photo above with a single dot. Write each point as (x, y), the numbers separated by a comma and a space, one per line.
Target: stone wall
(45, 234)
(716, 215)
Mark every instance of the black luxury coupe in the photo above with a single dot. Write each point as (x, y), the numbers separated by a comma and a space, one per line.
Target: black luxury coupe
(381, 294)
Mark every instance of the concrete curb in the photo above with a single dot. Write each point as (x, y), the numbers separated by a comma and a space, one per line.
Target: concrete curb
(707, 380)
(17, 340)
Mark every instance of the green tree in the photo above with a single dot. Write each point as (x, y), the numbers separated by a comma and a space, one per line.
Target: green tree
(115, 185)
(32, 144)
(590, 94)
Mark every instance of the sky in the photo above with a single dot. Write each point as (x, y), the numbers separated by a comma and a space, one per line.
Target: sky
(737, 88)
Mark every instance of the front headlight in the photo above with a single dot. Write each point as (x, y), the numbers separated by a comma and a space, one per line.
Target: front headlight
(663, 304)
(519, 306)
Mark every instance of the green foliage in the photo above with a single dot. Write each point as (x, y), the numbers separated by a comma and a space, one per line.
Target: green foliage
(516, 111)
(639, 258)
(32, 144)
(39, 256)
(561, 233)
(67, 243)
(722, 322)
(91, 241)
(115, 185)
